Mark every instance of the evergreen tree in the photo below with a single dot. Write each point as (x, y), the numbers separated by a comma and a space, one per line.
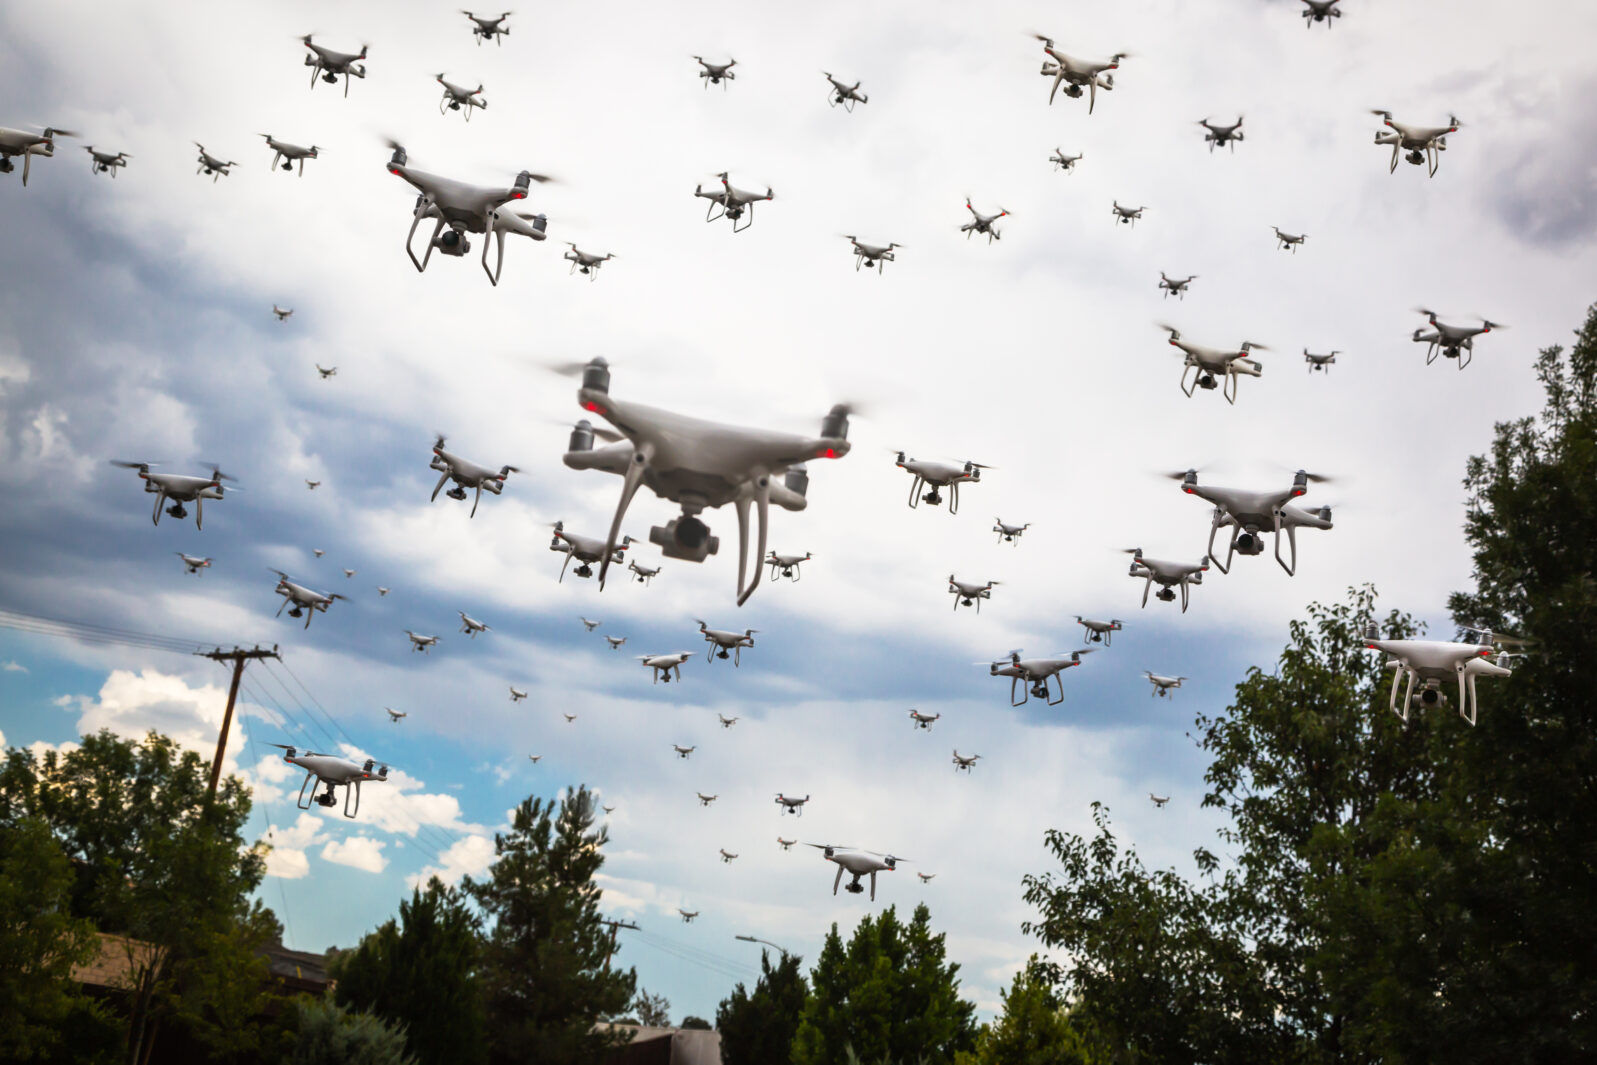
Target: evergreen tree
(652, 1011)
(330, 1034)
(1035, 1027)
(757, 1027)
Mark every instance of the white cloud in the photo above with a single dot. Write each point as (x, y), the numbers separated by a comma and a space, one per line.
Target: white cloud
(468, 856)
(286, 858)
(357, 852)
(14, 667)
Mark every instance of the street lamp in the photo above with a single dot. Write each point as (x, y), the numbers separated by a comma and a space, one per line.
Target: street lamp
(767, 942)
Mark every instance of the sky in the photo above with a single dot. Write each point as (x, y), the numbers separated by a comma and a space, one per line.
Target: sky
(135, 324)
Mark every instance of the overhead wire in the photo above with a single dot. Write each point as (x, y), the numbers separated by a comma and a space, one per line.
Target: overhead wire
(720, 964)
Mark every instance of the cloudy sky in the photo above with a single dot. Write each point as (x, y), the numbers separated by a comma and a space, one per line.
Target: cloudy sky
(135, 324)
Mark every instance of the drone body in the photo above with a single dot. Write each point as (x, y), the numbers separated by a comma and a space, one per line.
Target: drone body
(1030, 676)
(1064, 162)
(717, 73)
(1168, 575)
(1220, 136)
(727, 722)
(106, 162)
(193, 563)
(332, 770)
(727, 857)
(1175, 286)
(857, 863)
(395, 715)
(289, 154)
(328, 64)
(1127, 215)
(733, 202)
(586, 550)
(1320, 11)
(1452, 341)
(665, 665)
(926, 878)
(869, 255)
(14, 142)
(326, 371)
(586, 261)
(787, 844)
(1287, 241)
(1204, 364)
(964, 763)
(1433, 661)
(644, 574)
(1319, 362)
(569, 719)
(683, 752)
(460, 98)
(210, 164)
(1100, 631)
(421, 643)
(466, 475)
(726, 644)
(179, 489)
(381, 591)
(312, 485)
(1009, 533)
(847, 95)
(982, 223)
(791, 805)
(283, 314)
(1250, 514)
(1076, 74)
(516, 694)
(471, 626)
(1162, 685)
(305, 601)
(786, 565)
(705, 800)
(924, 721)
(938, 475)
(969, 593)
(1158, 800)
(1420, 145)
(488, 28)
(688, 915)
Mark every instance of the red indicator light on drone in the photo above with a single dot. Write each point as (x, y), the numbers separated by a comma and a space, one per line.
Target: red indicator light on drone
(394, 171)
(590, 405)
(826, 453)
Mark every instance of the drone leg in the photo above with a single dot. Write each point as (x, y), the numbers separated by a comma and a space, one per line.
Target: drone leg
(1391, 701)
(1146, 588)
(873, 885)
(1474, 700)
(737, 656)
(838, 879)
(316, 71)
(475, 500)
(1185, 371)
(953, 498)
(1061, 685)
(563, 569)
(300, 802)
(310, 612)
(441, 482)
(762, 510)
(442, 102)
(1435, 160)
(1183, 595)
(1430, 354)
(629, 488)
(1464, 360)
(914, 493)
(346, 84)
(302, 166)
(160, 500)
(1092, 98)
(737, 228)
(348, 788)
(1230, 384)
(199, 511)
(280, 609)
(1396, 148)
(1013, 681)
(1292, 540)
(957, 594)
(411, 236)
(493, 275)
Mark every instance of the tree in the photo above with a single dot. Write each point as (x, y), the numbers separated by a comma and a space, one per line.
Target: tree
(423, 972)
(330, 1034)
(889, 994)
(546, 968)
(757, 1027)
(1035, 1027)
(654, 1011)
(691, 1023)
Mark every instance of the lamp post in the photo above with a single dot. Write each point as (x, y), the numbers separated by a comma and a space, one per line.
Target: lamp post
(767, 942)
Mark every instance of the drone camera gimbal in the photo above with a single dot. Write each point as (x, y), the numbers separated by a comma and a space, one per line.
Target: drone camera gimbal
(686, 538)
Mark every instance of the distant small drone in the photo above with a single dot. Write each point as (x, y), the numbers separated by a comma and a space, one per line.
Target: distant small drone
(348, 573)
(857, 863)
(1287, 241)
(465, 475)
(608, 809)
(688, 915)
(586, 261)
(1433, 661)
(1009, 533)
(1100, 631)
(926, 878)
(179, 489)
(421, 643)
(516, 694)
(787, 844)
(289, 154)
(106, 162)
(318, 552)
(938, 475)
(283, 315)
(645, 574)
(585, 549)
(847, 95)
(1127, 215)
(1422, 144)
(466, 209)
(471, 626)
(330, 64)
(615, 642)
(1204, 364)
(982, 223)
(1064, 162)
(569, 719)
(665, 665)
(725, 643)
(969, 593)
(683, 752)
(381, 591)
(194, 564)
(791, 805)
(1175, 286)
(1035, 673)
(395, 715)
(1250, 514)
(210, 164)
(717, 73)
(326, 371)
(1320, 11)
(1452, 341)
(786, 565)
(488, 28)
(15, 142)
(727, 722)
(1160, 800)
(304, 601)
(1076, 74)
(1220, 136)
(1162, 685)
(869, 255)
(332, 770)
(534, 758)
(1319, 362)
(1168, 575)
(705, 800)
(924, 721)
(726, 856)
(964, 763)
(589, 626)
(460, 98)
(312, 485)
(733, 202)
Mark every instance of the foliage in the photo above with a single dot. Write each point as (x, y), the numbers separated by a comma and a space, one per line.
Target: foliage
(691, 1023)
(757, 1027)
(1035, 1027)
(888, 994)
(423, 972)
(653, 1011)
(546, 961)
(330, 1034)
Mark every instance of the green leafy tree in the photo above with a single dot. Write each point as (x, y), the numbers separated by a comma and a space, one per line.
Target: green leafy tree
(1035, 1026)
(423, 972)
(652, 1011)
(757, 1026)
(889, 994)
(330, 1034)
(546, 972)
(691, 1023)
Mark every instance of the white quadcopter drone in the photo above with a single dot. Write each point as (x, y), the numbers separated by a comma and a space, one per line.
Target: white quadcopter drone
(1319, 362)
(14, 142)
(644, 575)
(1100, 631)
(726, 644)
(857, 863)
(1076, 74)
(969, 593)
(1250, 514)
(1204, 364)
(589, 626)
(1158, 800)
(330, 64)
(786, 565)
(460, 98)
(924, 721)
(488, 28)
(926, 878)
(615, 642)
(1162, 685)
(421, 643)
(982, 223)
(1035, 672)
(516, 694)
(585, 261)
(394, 716)
(665, 665)
(683, 752)
(283, 315)
(726, 856)
(1452, 341)
(194, 564)
(585, 549)
(289, 154)
(964, 763)
(471, 626)
(938, 475)
(847, 95)
(305, 602)
(717, 73)
(348, 573)
(1420, 145)
(326, 371)
(179, 489)
(1126, 215)
(465, 475)
(688, 915)
(210, 164)
(726, 722)
(791, 805)
(1288, 241)
(1219, 136)
(787, 844)
(1175, 286)
(1433, 661)
(706, 800)
(732, 201)
(106, 162)
(869, 255)
(332, 770)
(1009, 533)
(1168, 575)
(1064, 162)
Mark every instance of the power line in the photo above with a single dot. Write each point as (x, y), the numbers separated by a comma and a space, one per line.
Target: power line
(41, 625)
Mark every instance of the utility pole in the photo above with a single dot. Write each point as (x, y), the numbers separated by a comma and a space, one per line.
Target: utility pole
(614, 926)
(238, 657)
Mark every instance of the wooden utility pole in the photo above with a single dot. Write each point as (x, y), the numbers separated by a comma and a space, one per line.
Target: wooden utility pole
(614, 926)
(238, 657)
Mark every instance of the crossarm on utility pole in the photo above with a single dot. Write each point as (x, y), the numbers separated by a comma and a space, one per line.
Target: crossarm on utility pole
(238, 657)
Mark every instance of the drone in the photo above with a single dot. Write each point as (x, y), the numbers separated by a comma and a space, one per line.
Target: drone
(395, 715)
(180, 489)
(608, 809)
(1160, 800)
(586, 261)
(786, 565)
(717, 73)
(732, 201)
(465, 475)
(688, 916)
(1167, 574)
(726, 644)
(586, 550)
(964, 763)
(1418, 144)
(1319, 362)
(348, 573)
(210, 164)
(1079, 73)
(982, 223)
(924, 721)
(289, 154)
(569, 719)
(106, 162)
(312, 485)
(21, 142)
(332, 770)
(1220, 136)
(938, 475)
(471, 626)
(326, 371)
(421, 643)
(1451, 340)
(727, 722)
(868, 255)
(589, 626)
(847, 95)
(698, 464)
(857, 863)
(926, 878)
(1249, 514)
(330, 64)
(516, 694)
(283, 315)
(1162, 684)
(1127, 215)
(381, 591)
(1433, 661)
(1009, 533)
(194, 564)
(458, 97)
(664, 665)
(466, 209)
(705, 800)
(644, 573)
(1100, 631)
(969, 593)
(726, 857)
(1320, 11)
(1174, 286)
(534, 758)
(787, 844)
(318, 552)
(485, 28)
(1064, 162)
(790, 805)
(1288, 242)
(303, 600)
(1036, 672)
(616, 642)
(1210, 363)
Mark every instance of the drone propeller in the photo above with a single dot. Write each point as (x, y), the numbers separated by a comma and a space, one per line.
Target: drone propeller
(1047, 41)
(217, 474)
(1488, 323)
(133, 465)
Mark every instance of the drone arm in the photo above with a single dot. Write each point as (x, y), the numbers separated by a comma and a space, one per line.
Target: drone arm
(629, 487)
(441, 482)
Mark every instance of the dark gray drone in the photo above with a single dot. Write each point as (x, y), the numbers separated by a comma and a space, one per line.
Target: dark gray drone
(717, 73)
(466, 475)
(330, 64)
(1220, 136)
(210, 164)
(106, 162)
(488, 28)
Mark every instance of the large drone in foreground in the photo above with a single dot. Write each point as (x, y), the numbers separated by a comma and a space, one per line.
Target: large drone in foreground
(14, 142)
(1076, 74)
(332, 770)
(857, 863)
(180, 489)
(1431, 662)
(1205, 364)
(1420, 145)
(1251, 514)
